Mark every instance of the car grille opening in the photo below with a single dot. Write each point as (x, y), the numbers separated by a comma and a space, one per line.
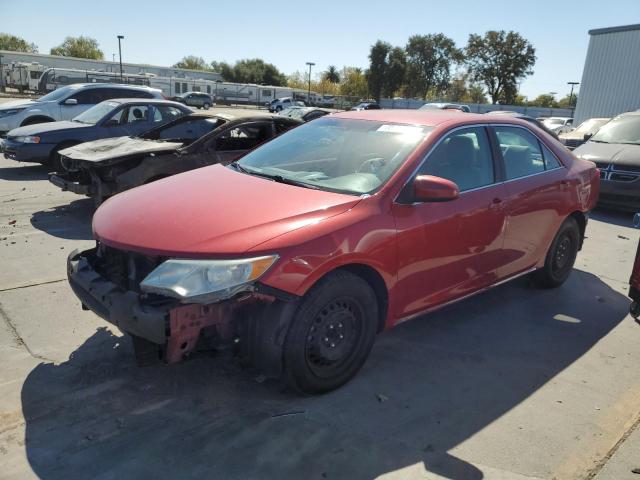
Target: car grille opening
(125, 269)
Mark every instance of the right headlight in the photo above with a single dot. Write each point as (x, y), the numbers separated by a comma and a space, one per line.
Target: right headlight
(206, 281)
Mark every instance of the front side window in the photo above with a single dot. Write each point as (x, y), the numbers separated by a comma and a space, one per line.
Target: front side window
(464, 157)
(336, 154)
(521, 152)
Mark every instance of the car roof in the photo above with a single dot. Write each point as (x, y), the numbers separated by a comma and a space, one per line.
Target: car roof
(77, 86)
(145, 100)
(429, 118)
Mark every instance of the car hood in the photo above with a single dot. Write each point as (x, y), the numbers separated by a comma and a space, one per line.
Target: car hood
(16, 104)
(209, 212)
(619, 154)
(47, 127)
(111, 148)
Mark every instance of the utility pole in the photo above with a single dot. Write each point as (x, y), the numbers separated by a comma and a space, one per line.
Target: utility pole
(1, 76)
(120, 37)
(571, 105)
(311, 64)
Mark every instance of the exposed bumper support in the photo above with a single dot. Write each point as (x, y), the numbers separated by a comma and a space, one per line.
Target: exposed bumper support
(70, 185)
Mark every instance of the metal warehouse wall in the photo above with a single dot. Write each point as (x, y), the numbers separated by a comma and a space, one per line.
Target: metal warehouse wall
(611, 77)
(104, 65)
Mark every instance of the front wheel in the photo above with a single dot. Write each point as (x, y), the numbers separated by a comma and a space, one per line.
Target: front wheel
(560, 257)
(206, 106)
(331, 334)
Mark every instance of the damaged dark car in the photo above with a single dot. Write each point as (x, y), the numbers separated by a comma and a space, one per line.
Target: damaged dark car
(103, 168)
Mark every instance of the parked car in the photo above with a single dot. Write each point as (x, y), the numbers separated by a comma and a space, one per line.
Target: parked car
(366, 106)
(103, 168)
(195, 99)
(66, 103)
(615, 149)
(280, 104)
(526, 118)
(305, 114)
(583, 132)
(445, 106)
(42, 142)
(306, 247)
(558, 125)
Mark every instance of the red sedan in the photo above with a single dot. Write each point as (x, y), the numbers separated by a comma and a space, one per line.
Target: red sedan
(305, 248)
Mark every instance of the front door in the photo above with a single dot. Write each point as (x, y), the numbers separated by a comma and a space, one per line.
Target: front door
(447, 250)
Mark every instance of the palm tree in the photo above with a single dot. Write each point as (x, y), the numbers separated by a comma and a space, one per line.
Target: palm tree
(332, 74)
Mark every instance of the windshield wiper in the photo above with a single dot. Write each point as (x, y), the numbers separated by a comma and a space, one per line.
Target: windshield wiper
(274, 177)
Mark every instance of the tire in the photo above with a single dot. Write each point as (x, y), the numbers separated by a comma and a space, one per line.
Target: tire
(561, 256)
(54, 157)
(278, 109)
(206, 106)
(331, 334)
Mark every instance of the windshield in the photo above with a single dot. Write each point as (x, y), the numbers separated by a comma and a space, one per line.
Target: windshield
(97, 112)
(340, 155)
(591, 125)
(624, 129)
(58, 94)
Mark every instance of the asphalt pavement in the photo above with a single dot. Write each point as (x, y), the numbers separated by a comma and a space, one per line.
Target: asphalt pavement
(515, 383)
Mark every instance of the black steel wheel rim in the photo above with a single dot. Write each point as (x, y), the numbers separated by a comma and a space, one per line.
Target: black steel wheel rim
(563, 254)
(333, 337)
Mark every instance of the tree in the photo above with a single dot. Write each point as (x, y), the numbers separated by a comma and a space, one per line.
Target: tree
(355, 83)
(257, 71)
(16, 44)
(567, 102)
(224, 69)
(378, 64)
(429, 61)
(457, 90)
(80, 47)
(476, 94)
(394, 79)
(498, 60)
(545, 100)
(191, 62)
(332, 75)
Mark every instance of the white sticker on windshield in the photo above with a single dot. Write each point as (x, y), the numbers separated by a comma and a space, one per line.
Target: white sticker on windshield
(402, 129)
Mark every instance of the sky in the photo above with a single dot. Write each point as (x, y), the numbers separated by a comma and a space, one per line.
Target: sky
(289, 34)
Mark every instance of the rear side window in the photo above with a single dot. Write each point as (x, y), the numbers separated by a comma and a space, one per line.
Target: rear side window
(164, 113)
(550, 160)
(126, 93)
(243, 137)
(521, 152)
(464, 157)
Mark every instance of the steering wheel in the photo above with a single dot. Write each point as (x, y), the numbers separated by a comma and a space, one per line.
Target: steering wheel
(371, 165)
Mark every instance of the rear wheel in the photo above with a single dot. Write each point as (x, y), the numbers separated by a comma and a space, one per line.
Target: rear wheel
(206, 106)
(331, 334)
(560, 257)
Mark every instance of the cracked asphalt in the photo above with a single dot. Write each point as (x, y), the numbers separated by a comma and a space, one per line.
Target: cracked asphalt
(516, 383)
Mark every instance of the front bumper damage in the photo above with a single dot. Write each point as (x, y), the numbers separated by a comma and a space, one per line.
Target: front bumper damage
(71, 185)
(165, 329)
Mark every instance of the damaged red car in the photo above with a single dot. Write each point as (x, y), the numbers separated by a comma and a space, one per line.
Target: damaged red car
(300, 252)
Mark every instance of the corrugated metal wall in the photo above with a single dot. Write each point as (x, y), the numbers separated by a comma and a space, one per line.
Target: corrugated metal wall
(611, 77)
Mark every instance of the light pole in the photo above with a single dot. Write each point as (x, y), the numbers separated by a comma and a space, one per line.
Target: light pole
(311, 64)
(573, 84)
(120, 37)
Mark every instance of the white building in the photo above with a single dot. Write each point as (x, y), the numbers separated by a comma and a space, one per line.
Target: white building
(611, 76)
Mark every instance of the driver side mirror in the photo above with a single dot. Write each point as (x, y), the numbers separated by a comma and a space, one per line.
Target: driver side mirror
(587, 136)
(71, 101)
(427, 188)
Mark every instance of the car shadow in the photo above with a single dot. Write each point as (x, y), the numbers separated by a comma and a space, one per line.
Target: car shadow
(614, 217)
(71, 221)
(22, 172)
(429, 385)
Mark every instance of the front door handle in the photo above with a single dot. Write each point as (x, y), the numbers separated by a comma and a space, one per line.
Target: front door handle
(495, 204)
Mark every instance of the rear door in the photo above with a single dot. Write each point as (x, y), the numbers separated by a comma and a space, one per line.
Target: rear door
(537, 191)
(447, 250)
